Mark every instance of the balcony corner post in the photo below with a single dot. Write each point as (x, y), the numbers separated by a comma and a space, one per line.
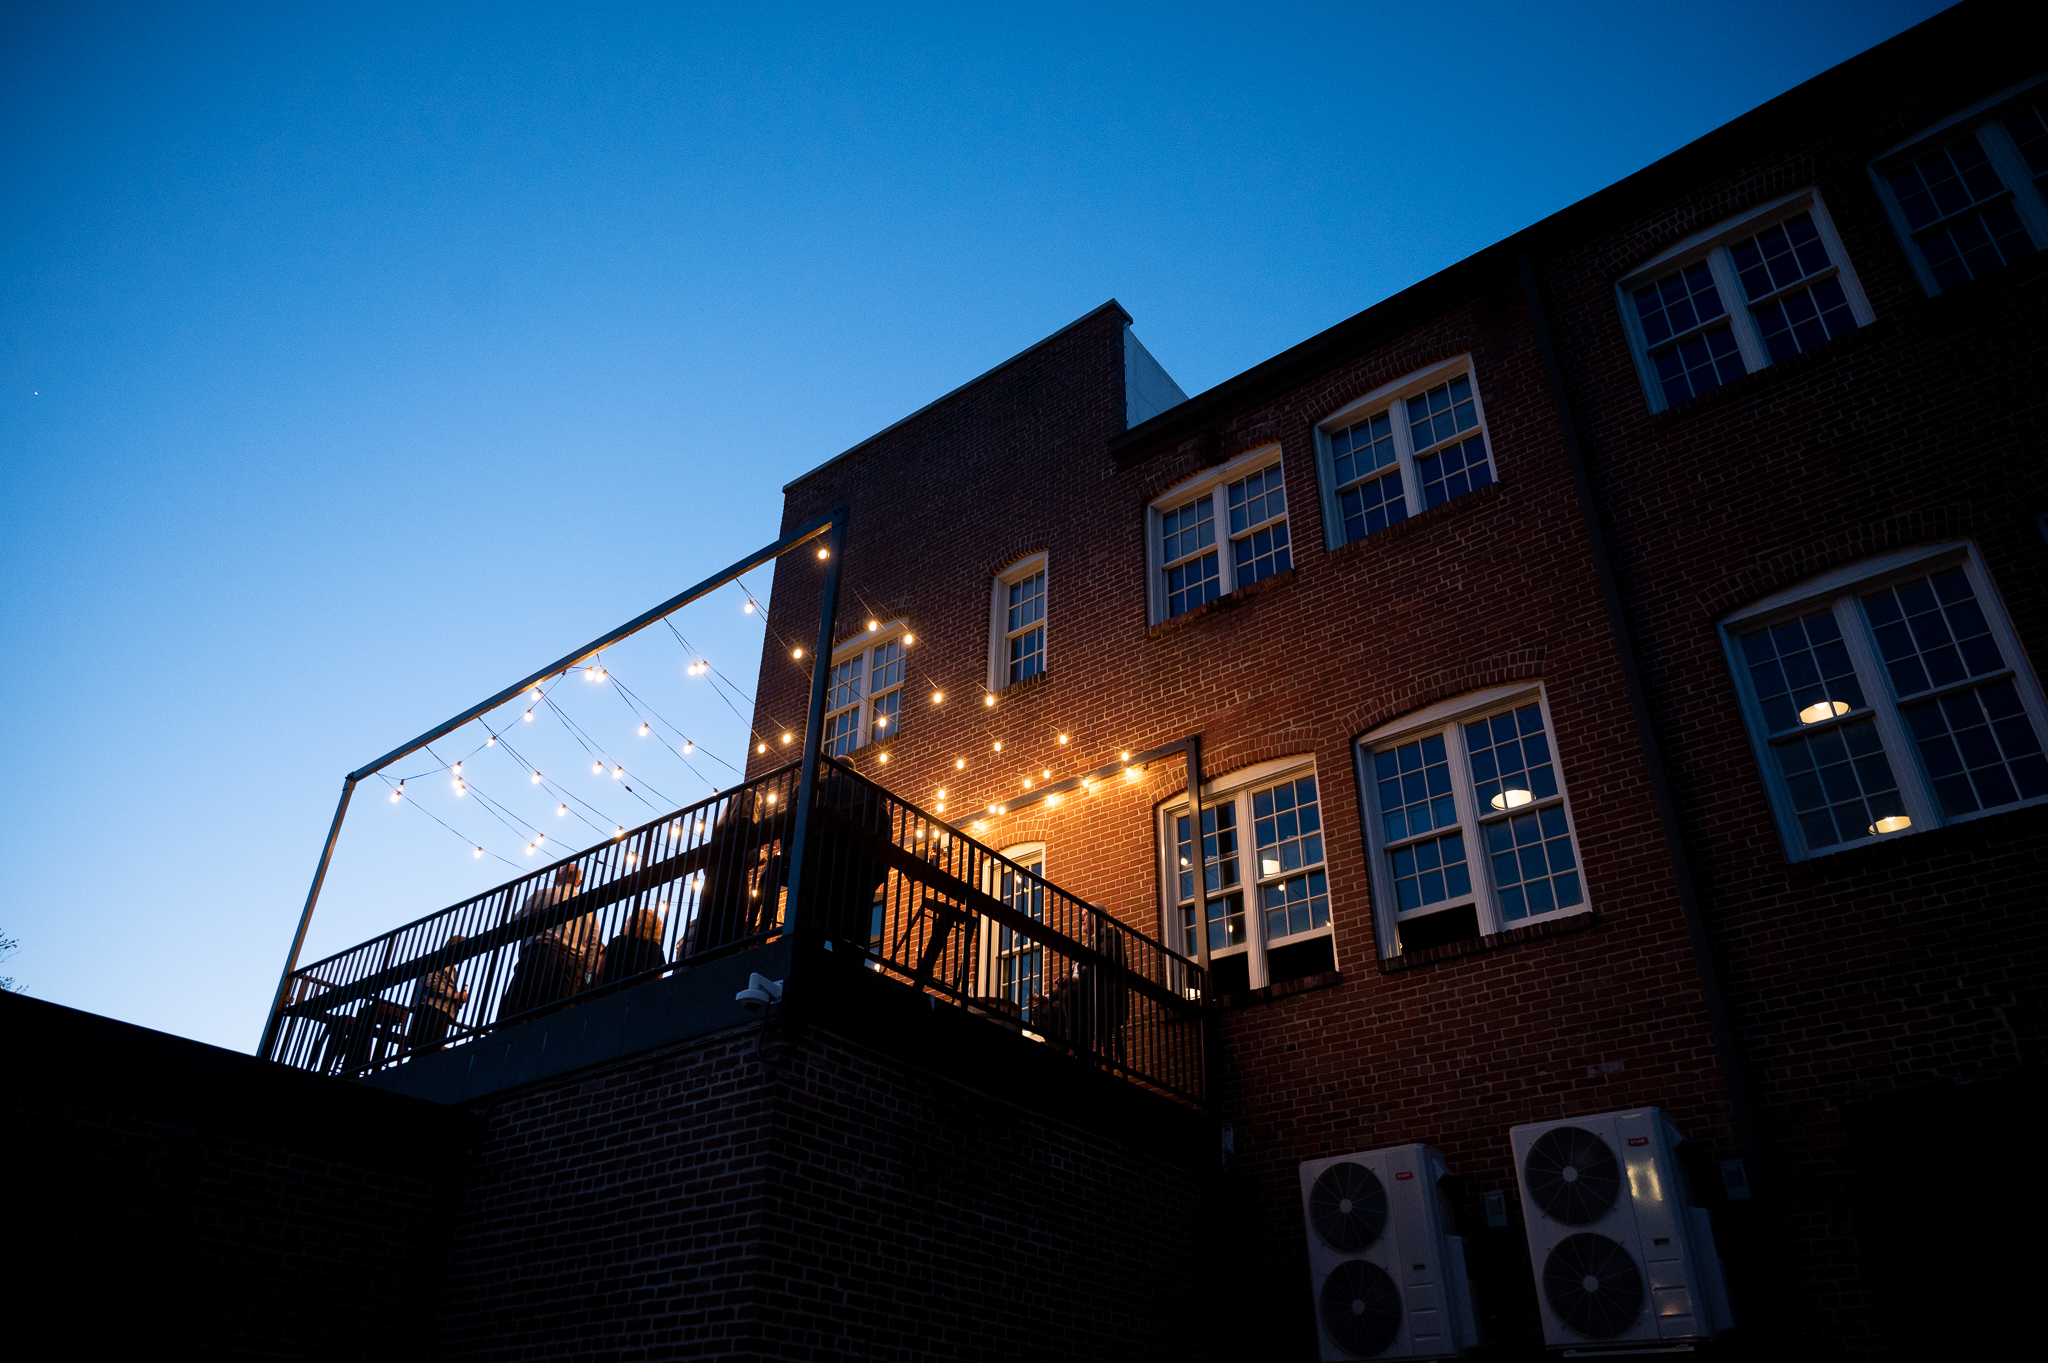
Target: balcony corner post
(802, 927)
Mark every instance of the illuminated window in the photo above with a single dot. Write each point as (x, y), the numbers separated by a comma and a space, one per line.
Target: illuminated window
(1405, 447)
(1467, 821)
(1257, 910)
(1966, 196)
(1217, 532)
(1739, 297)
(1886, 698)
(1020, 961)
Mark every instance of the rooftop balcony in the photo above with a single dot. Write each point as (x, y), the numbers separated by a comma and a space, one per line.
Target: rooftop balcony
(866, 882)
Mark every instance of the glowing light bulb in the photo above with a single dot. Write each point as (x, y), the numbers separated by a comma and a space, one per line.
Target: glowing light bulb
(884, 757)
(688, 747)
(1052, 801)
(760, 747)
(999, 745)
(530, 846)
(909, 639)
(536, 778)
(822, 553)
(874, 625)
(882, 723)
(796, 653)
(618, 772)
(1123, 757)
(590, 672)
(1063, 740)
(748, 609)
(771, 797)
(460, 789)
(479, 851)
(920, 835)
(1002, 809)
(540, 837)
(643, 728)
(619, 832)
(942, 806)
(1130, 773)
(938, 697)
(1047, 773)
(1027, 783)
(596, 768)
(991, 809)
(529, 716)
(458, 769)
(560, 810)
(491, 741)
(787, 737)
(942, 793)
(988, 700)
(959, 764)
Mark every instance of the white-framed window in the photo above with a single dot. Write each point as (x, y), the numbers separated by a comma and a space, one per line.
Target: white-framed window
(1223, 529)
(1257, 909)
(864, 690)
(1017, 643)
(1888, 697)
(1743, 295)
(1405, 447)
(1469, 828)
(1970, 194)
(1017, 961)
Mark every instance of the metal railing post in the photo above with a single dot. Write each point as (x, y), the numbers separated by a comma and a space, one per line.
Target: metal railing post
(275, 1021)
(799, 907)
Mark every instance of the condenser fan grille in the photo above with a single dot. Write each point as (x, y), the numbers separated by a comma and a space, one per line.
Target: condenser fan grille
(1348, 1206)
(1593, 1285)
(1361, 1307)
(1572, 1175)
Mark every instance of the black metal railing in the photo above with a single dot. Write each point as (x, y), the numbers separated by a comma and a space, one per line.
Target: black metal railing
(701, 882)
(921, 902)
(894, 889)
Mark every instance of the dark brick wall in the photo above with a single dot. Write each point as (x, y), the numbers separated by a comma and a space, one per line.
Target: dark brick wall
(172, 1200)
(836, 1201)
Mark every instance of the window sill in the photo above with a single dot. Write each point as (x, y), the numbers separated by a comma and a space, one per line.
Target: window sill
(1556, 927)
(1025, 687)
(1393, 533)
(1328, 979)
(1222, 603)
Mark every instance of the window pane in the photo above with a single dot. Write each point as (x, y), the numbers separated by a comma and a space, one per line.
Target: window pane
(2030, 129)
(888, 668)
(1372, 506)
(1971, 246)
(1027, 603)
(1256, 499)
(1430, 873)
(1454, 471)
(1192, 584)
(1698, 364)
(1301, 904)
(843, 685)
(1189, 529)
(887, 710)
(1363, 449)
(1841, 785)
(1226, 922)
(842, 732)
(1287, 827)
(1678, 303)
(1510, 756)
(1800, 672)
(1441, 413)
(1945, 182)
(1414, 782)
(1780, 256)
(1533, 864)
(1980, 748)
(1962, 218)
(1800, 321)
(1021, 962)
(1219, 846)
(1932, 632)
(1027, 655)
(1261, 554)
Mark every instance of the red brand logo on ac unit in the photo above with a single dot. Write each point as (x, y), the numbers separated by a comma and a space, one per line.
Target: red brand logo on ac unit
(1638, 1140)
(1405, 1173)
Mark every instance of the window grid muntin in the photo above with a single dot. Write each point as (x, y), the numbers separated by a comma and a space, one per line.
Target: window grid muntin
(1931, 632)
(1447, 744)
(2029, 129)
(1972, 227)
(1532, 861)
(1379, 474)
(1020, 961)
(1024, 623)
(1922, 805)
(1978, 748)
(1233, 914)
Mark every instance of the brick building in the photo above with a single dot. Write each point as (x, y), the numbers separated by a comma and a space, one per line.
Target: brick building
(1611, 666)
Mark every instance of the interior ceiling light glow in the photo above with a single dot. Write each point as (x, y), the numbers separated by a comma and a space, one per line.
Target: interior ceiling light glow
(1511, 799)
(1820, 710)
(1891, 823)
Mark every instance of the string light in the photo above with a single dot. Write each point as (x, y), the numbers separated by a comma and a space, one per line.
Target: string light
(938, 697)
(688, 747)
(1123, 757)
(529, 716)
(988, 700)
(1027, 783)
(821, 553)
(591, 672)
(491, 741)
(479, 851)
(748, 609)
(643, 728)
(959, 764)
(1047, 773)
(536, 778)
(530, 846)
(787, 738)
(1063, 740)
(942, 806)
(760, 747)
(999, 745)
(874, 625)
(771, 797)
(882, 723)
(1052, 801)
(909, 639)
(1131, 773)
(597, 768)
(884, 758)
(398, 794)
(620, 832)
(560, 810)
(458, 769)
(618, 772)
(942, 792)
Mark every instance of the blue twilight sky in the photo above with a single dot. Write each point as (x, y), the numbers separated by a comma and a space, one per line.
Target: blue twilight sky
(354, 363)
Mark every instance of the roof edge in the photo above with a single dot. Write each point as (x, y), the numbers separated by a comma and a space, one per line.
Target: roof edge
(944, 398)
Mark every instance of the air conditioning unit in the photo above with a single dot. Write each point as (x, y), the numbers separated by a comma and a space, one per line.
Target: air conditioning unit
(1624, 1261)
(1389, 1277)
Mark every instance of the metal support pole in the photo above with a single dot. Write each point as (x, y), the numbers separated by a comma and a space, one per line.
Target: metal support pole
(798, 905)
(291, 960)
(1195, 852)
